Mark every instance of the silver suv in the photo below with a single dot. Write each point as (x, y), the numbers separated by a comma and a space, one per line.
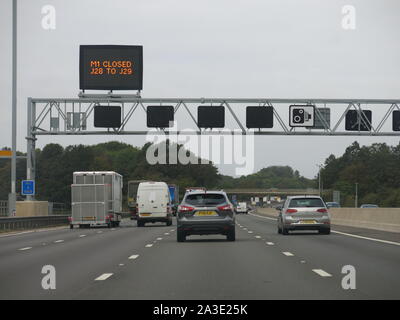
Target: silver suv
(304, 213)
(205, 212)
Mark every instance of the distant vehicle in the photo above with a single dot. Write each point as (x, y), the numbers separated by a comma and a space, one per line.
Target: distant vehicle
(204, 213)
(174, 195)
(96, 199)
(332, 205)
(190, 189)
(304, 213)
(132, 194)
(241, 208)
(369, 206)
(154, 205)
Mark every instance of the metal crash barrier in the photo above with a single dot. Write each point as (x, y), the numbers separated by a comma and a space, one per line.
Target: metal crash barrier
(20, 223)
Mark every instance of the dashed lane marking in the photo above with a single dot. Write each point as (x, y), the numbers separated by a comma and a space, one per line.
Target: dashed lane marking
(24, 249)
(58, 241)
(270, 243)
(133, 257)
(149, 245)
(322, 273)
(103, 277)
(288, 254)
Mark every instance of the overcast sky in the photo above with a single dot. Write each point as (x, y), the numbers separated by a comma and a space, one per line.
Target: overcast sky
(213, 48)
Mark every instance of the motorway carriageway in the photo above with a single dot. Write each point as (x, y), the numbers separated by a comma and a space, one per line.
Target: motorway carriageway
(148, 263)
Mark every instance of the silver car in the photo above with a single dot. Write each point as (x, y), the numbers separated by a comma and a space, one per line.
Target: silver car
(304, 213)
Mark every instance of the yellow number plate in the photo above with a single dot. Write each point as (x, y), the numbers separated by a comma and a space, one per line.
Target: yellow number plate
(88, 218)
(307, 222)
(205, 213)
(145, 214)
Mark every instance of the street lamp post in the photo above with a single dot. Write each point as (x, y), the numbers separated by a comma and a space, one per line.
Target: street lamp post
(356, 197)
(12, 196)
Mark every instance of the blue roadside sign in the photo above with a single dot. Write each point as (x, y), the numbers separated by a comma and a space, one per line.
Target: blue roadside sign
(28, 187)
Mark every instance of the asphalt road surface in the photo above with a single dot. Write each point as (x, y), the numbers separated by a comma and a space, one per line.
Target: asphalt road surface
(148, 263)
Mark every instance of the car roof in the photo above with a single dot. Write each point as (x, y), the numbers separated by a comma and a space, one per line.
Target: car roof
(302, 197)
(206, 191)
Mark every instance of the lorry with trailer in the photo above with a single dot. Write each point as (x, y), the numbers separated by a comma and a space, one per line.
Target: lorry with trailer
(96, 199)
(132, 198)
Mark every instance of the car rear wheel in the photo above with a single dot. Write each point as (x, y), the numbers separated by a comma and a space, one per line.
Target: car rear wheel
(285, 231)
(71, 226)
(140, 223)
(181, 236)
(231, 236)
(325, 231)
(169, 222)
(279, 230)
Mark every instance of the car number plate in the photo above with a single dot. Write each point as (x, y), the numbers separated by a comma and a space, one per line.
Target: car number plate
(205, 213)
(88, 218)
(145, 214)
(307, 221)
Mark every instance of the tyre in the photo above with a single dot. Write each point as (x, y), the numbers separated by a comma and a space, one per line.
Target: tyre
(285, 231)
(180, 235)
(325, 231)
(279, 230)
(140, 223)
(231, 236)
(71, 226)
(169, 222)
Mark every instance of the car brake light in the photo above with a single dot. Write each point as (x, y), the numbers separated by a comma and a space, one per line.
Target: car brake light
(227, 207)
(185, 208)
(322, 210)
(291, 211)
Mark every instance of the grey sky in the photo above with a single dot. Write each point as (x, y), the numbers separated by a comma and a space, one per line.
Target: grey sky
(208, 48)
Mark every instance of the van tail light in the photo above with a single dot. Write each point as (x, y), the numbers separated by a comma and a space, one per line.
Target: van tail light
(185, 208)
(291, 211)
(69, 219)
(323, 210)
(227, 207)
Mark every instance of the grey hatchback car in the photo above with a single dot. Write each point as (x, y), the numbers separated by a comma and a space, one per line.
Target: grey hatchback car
(304, 213)
(205, 212)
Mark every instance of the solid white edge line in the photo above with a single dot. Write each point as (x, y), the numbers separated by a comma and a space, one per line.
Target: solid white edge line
(366, 238)
(103, 277)
(322, 273)
(345, 234)
(31, 231)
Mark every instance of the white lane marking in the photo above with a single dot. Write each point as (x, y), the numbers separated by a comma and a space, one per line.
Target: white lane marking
(256, 215)
(23, 249)
(103, 277)
(257, 237)
(58, 241)
(99, 231)
(112, 229)
(172, 230)
(288, 254)
(250, 231)
(302, 261)
(167, 233)
(149, 245)
(244, 228)
(270, 243)
(322, 273)
(366, 238)
(82, 235)
(27, 232)
(133, 257)
(121, 264)
(159, 239)
(344, 233)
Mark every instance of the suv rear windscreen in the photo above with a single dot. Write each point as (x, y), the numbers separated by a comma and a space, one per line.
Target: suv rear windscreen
(205, 199)
(306, 203)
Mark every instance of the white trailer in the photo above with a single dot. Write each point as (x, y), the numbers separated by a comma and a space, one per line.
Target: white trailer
(96, 198)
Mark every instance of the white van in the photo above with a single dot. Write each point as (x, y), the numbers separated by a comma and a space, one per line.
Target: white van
(153, 201)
